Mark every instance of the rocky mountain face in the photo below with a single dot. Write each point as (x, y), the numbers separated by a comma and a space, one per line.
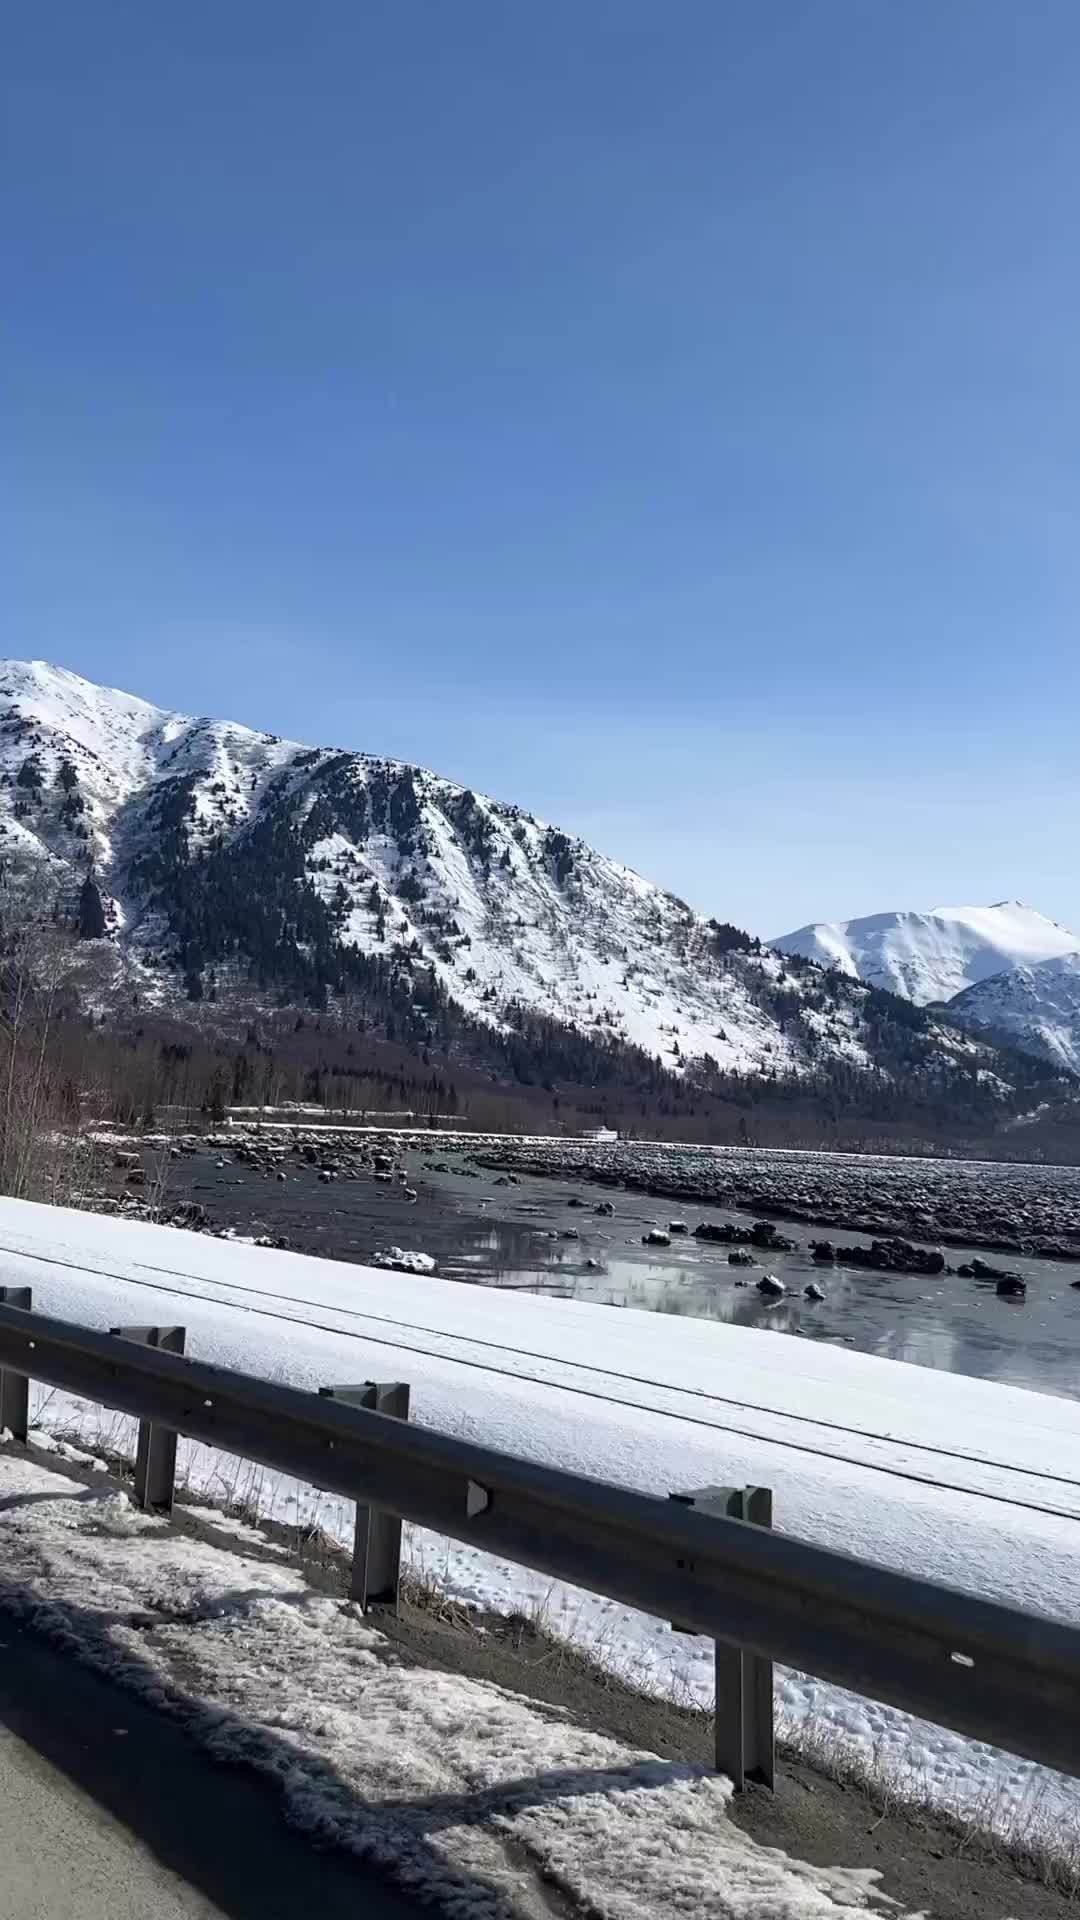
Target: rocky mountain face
(1037, 1008)
(930, 957)
(203, 862)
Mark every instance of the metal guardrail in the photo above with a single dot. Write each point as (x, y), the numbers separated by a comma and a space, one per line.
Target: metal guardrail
(986, 1670)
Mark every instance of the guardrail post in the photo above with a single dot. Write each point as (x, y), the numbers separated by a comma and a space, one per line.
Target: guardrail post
(155, 1455)
(376, 1566)
(745, 1744)
(15, 1387)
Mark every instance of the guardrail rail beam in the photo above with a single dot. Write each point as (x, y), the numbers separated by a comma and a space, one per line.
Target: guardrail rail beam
(986, 1669)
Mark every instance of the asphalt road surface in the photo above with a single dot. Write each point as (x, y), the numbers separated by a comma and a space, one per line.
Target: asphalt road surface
(109, 1812)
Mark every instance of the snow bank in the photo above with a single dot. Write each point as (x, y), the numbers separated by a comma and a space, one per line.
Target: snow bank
(959, 1479)
(469, 1796)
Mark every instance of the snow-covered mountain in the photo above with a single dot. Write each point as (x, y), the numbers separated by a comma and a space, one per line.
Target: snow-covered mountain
(1037, 1007)
(206, 862)
(929, 957)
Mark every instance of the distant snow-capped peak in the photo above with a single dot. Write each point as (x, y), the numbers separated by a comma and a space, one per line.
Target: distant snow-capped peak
(933, 956)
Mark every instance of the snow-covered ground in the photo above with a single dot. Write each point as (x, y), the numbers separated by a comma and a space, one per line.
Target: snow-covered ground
(469, 1796)
(958, 1479)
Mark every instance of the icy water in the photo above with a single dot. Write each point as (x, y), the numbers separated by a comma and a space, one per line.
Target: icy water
(515, 1237)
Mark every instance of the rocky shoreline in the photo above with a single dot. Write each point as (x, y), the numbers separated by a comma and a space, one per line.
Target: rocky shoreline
(1004, 1207)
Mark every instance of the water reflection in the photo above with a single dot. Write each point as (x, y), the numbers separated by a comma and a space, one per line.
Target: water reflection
(953, 1325)
(532, 1237)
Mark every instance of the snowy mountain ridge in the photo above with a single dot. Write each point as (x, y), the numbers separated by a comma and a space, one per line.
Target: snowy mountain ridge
(1037, 1007)
(226, 864)
(932, 957)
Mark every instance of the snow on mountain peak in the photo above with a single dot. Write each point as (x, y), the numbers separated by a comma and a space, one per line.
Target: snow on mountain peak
(224, 856)
(1037, 1007)
(238, 868)
(929, 957)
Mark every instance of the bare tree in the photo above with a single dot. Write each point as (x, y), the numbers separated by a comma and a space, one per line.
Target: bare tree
(39, 1101)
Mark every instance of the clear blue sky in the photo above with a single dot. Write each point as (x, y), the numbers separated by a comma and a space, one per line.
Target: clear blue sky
(663, 413)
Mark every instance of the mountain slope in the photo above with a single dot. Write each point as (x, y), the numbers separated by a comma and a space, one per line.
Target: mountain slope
(231, 866)
(930, 957)
(1038, 1008)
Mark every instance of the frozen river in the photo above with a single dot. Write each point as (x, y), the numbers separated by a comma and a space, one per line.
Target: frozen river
(529, 1236)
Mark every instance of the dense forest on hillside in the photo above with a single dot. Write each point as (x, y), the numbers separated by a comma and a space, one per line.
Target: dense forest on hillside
(390, 1046)
(194, 1073)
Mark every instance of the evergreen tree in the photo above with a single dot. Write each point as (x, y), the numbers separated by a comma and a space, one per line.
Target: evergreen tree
(91, 911)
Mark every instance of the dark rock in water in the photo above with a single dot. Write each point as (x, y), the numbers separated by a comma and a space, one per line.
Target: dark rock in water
(763, 1234)
(977, 1269)
(771, 1285)
(740, 1258)
(569, 1233)
(606, 1207)
(813, 1292)
(656, 1238)
(823, 1252)
(677, 1226)
(893, 1256)
(1012, 1287)
(575, 1201)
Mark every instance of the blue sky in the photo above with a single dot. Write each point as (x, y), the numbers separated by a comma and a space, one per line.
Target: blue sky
(665, 416)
